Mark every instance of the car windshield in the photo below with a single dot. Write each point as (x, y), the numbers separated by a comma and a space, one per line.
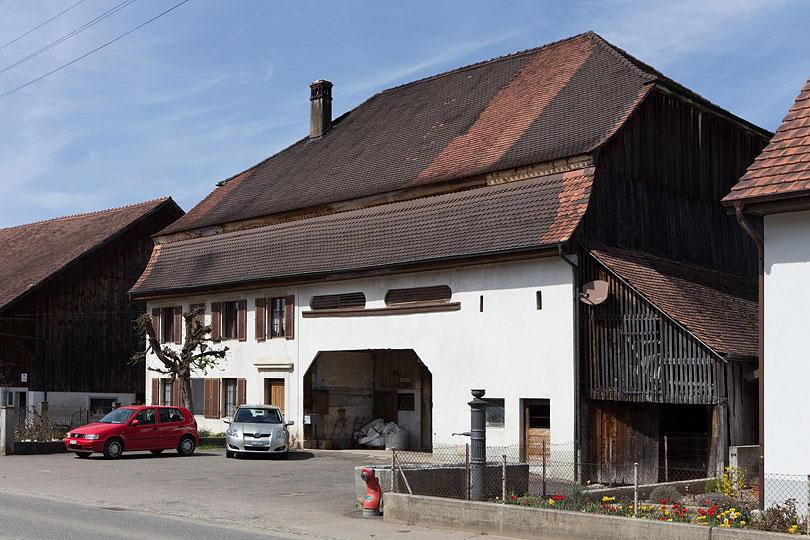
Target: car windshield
(257, 416)
(118, 416)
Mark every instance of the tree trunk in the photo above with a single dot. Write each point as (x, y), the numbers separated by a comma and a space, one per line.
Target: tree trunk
(185, 393)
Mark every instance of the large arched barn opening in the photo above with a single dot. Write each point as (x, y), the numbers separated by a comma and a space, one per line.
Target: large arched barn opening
(345, 390)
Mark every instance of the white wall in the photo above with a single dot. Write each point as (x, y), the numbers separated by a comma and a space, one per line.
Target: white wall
(787, 362)
(511, 349)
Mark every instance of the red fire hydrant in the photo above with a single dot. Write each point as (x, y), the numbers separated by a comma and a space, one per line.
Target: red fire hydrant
(371, 506)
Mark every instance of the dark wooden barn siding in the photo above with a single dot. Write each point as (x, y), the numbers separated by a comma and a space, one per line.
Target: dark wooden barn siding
(85, 318)
(631, 352)
(660, 180)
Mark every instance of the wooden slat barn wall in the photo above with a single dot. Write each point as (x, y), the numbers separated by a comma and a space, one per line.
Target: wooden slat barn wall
(85, 318)
(659, 182)
(631, 352)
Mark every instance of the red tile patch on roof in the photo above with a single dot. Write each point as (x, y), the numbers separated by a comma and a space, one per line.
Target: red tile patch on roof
(36, 251)
(495, 219)
(560, 100)
(719, 308)
(783, 168)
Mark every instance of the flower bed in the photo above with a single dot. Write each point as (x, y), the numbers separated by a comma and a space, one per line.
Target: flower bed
(701, 511)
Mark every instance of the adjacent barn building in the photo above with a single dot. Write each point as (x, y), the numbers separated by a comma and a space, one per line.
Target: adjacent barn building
(66, 331)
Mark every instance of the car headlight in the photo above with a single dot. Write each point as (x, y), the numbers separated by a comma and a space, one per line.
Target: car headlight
(231, 432)
(92, 437)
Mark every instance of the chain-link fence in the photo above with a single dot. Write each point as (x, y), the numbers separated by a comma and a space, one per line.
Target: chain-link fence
(550, 470)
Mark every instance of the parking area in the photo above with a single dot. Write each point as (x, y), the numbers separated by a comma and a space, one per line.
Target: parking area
(309, 495)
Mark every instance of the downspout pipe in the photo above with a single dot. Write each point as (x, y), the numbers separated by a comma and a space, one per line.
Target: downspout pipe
(738, 210)
(577, 405)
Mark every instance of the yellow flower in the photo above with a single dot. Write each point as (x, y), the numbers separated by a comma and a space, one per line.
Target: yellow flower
(551, 501)
(742, 522)
(670, 519)
(666, 512)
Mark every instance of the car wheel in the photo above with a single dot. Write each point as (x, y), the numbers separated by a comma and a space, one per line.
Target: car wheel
(82, 454)
(156, 452)
(113, 449)
(186, 446)
(229, 454)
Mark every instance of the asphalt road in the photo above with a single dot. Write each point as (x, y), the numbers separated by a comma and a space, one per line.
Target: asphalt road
(201, 496)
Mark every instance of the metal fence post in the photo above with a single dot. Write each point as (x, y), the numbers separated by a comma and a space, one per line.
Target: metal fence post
(610, 462)
(762, 482)
(635, 489)
(544, 469)
(393, 468)
(503, 480)
(666, 460)
(467, 471)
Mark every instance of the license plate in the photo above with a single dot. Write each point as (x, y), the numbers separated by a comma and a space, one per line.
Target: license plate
(252, 443)
(72, 442)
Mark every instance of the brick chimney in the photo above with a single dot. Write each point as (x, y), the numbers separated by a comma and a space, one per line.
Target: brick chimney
(320, 108)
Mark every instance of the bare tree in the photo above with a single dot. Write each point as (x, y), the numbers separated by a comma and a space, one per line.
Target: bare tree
(196, 353)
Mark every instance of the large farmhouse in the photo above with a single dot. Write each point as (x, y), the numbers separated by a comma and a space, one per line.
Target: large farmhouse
(66, 331)
(436, 239)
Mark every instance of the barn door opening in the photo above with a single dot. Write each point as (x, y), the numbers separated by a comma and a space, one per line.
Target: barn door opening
(345, 390)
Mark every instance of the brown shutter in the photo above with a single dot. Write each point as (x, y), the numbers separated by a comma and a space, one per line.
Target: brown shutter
(155, 391)
(156, 322)
(240, 391)
(289, 316)
(178, 324)
(261, 319)
(211, 398)
(216, 322)
(175, 393)
(241, 320)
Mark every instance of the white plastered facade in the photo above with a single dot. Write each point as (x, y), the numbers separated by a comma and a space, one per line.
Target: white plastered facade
(511, 348)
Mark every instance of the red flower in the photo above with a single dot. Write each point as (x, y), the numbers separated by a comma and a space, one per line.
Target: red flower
(708, 502)
(612, 509)
(513, 497)
(604, 506)
(663, 501)
(661, 518)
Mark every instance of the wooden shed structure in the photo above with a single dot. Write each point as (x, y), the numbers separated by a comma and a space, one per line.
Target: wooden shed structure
(668, 362)
(66, 318)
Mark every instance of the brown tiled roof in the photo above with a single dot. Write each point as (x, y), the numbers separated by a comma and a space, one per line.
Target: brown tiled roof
(719, 308)
(783, 168)
(34, 252)
(559, 100)
(495, 219)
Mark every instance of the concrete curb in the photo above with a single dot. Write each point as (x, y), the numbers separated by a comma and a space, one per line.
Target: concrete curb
(512, 520)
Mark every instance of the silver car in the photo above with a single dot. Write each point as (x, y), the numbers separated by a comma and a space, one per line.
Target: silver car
(257, 429)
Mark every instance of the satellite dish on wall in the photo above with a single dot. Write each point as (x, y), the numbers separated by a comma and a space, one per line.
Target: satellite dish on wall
(594, 293)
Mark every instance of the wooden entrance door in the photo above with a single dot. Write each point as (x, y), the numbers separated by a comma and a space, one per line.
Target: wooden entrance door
(536, 428)
(274, 393)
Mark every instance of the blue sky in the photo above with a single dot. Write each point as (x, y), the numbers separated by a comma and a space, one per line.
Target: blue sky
(214, 87)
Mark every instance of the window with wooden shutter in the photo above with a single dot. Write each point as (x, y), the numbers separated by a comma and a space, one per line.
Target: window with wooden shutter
(241, 387)
(418, 295)
(216, 321)
(155, 391)
(277, 317)
(338, 301)
(211, 398)
(178, 324)
(228, 397)
(261, 318)
(241, 320)
(176, 393)
(289, 317)
(156, 323)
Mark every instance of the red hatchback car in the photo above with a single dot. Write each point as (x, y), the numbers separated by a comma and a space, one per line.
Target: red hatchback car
(136, 428)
